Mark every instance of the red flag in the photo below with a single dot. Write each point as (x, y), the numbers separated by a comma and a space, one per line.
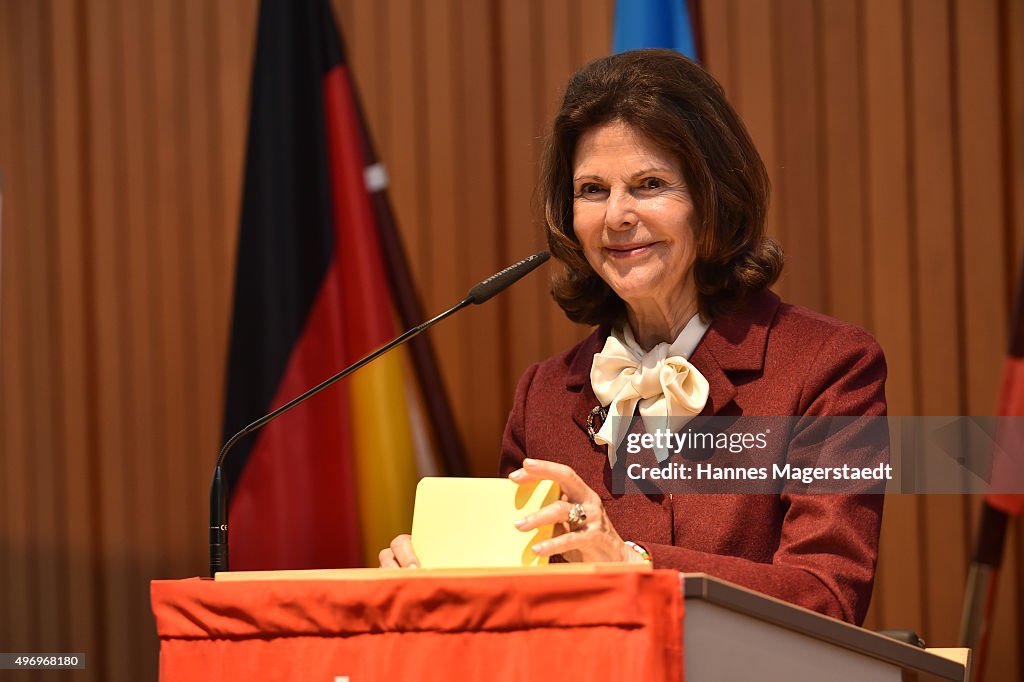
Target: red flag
(1007, 481)
(1008, 462)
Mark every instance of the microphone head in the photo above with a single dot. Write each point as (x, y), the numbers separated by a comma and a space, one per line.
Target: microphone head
(500, 281)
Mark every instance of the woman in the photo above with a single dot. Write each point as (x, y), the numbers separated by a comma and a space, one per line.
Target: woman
(655, 200)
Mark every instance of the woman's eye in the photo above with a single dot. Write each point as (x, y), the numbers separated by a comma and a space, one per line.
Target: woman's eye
(652, 183)
(589, 189)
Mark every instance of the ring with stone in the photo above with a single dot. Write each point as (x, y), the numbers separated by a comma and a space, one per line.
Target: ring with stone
(577, 517)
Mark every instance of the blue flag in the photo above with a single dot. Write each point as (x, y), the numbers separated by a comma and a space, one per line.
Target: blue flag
(653, 23)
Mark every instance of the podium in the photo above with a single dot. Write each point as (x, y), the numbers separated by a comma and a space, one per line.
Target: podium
(567, 621)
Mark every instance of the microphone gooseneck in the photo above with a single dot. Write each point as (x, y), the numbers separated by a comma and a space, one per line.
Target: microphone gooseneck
(219, 492)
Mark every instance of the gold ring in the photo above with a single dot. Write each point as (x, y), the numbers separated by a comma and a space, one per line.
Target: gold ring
(577, 517)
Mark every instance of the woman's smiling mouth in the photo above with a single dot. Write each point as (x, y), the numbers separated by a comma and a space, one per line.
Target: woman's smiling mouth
(628, 250)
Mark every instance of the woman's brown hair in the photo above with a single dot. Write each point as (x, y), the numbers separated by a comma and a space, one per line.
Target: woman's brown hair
(677, 105)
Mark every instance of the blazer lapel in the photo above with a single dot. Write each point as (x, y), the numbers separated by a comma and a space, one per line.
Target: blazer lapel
(721, 389)
(735, 342)
(578, 377)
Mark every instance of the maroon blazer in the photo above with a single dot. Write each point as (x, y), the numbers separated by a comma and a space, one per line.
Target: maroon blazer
(770, 358)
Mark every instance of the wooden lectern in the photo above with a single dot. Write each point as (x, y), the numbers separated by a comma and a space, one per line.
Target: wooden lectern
(566, 621)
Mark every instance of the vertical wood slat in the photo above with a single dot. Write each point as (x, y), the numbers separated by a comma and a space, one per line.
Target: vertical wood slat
(753, 93)
(444, 179)
(595, 28)
(236, 39)
(44, 487)
(797, 180)
(843, 163)
(364, 39)
(80, 610)
(191, 276)
(890, 282)
(8, 462)
(137, 132)
(135, 112)
(718, 43)
(981, 187)
(402, 146)
(889, 236)
(198, 171)
(1013, 85)
(122, 619)
(518, 100)
(172, 291)
(219, 194)
(1005, 653)
(16, 432)
(937, 310)
(477, 157)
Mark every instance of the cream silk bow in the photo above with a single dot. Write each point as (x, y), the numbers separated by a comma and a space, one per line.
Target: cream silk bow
(668, 388)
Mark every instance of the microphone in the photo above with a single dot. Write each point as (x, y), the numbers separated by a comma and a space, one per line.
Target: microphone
(219, 493)
(500, 281)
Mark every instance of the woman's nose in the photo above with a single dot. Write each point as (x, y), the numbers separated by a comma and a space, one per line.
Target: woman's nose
(620, 210)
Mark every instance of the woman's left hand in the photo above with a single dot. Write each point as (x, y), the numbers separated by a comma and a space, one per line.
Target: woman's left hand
(592, 539)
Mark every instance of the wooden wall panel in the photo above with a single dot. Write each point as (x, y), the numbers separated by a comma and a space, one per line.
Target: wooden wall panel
(445, 179)
(981, 188)
(889, 234)
(1012, 24)
(173, 287)
(367, 50)
(518, 101)
(717, 30)
(893, 131)
(17, 433)
(144, 494)
(406, 136)
(76, 424)
(798, 192)
(199, 167)
(594, 22)
(39, 395)
(755, 82)
(7, 464)
(481, 230)
(938, 308)
(236, 40)
(890, 280)
(120, 584)
(843, 168)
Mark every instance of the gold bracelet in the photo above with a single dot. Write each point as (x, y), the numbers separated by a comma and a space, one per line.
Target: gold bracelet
(644, 554)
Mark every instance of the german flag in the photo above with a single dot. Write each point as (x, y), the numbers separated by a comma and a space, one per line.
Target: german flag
(332, 481)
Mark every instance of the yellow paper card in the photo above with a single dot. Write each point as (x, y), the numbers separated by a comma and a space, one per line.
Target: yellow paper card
(468, 522)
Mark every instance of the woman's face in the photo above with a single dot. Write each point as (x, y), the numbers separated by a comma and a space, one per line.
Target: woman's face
(633, 216)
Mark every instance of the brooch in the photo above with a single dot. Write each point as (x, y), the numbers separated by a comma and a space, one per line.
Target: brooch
(597, 412)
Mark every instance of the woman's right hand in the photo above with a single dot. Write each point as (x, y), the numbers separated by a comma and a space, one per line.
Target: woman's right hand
(399, 554)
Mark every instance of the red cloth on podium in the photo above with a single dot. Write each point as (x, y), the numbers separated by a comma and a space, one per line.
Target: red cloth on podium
(597, 626)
